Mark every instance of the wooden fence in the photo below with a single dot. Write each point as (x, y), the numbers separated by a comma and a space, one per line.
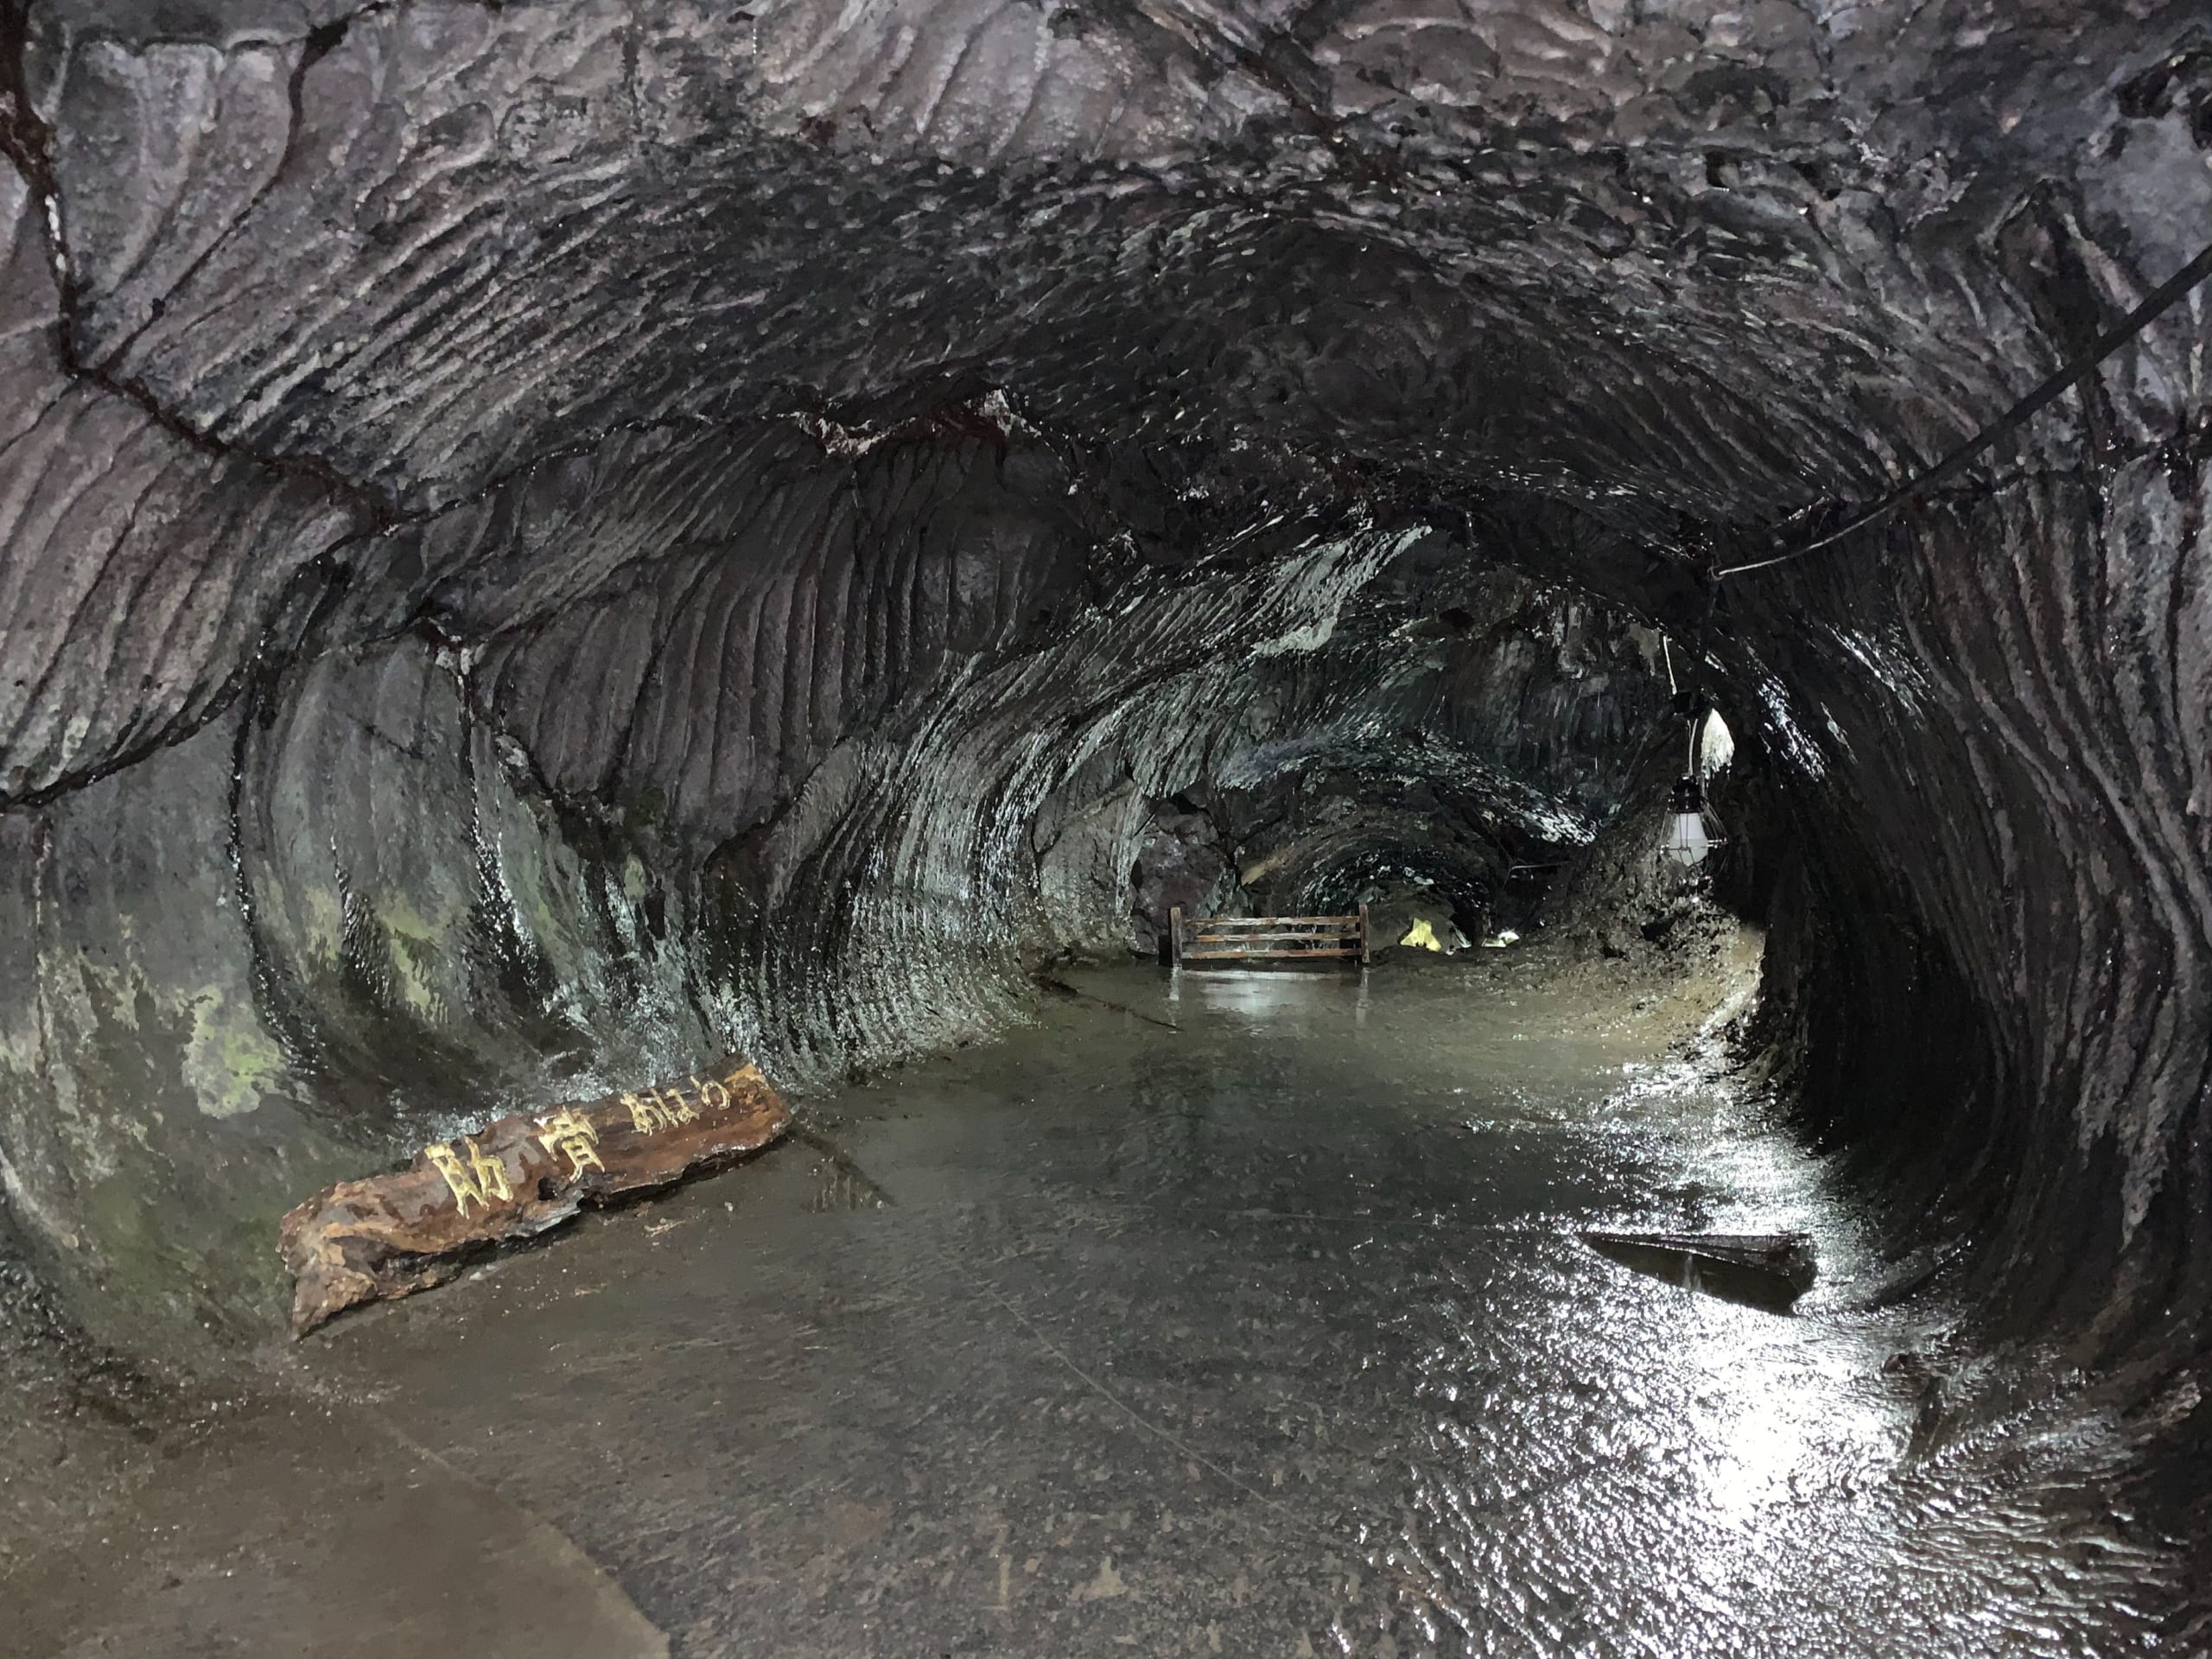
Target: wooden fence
(1268, 938)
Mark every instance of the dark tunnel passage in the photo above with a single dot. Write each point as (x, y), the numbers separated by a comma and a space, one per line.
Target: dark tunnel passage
(546, 543)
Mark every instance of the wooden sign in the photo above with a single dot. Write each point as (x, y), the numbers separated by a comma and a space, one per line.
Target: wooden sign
(393, 1234)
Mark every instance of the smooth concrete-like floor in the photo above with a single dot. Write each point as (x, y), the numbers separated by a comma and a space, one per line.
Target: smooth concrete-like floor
(1230, 1314)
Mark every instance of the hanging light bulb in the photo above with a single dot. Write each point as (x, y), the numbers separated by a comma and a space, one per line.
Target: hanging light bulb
(1685, 839)
(1690, 833)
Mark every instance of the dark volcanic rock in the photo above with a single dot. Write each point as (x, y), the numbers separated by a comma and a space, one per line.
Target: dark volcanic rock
(540, 542)
(1180, 865)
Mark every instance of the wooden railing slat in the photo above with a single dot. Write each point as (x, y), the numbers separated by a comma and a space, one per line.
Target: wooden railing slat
(1261, 947)
(1211, 954)
(1276, 921)
(1243, 932)
(1203, 933)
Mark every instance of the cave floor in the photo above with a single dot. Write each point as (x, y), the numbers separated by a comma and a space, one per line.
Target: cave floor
(1233, 1313)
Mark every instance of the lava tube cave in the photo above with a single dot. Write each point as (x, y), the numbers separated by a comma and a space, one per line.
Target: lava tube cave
(945, 827)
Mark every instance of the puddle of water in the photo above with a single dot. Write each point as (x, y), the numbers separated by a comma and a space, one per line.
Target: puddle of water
(1263, 995)
(1272, 1328)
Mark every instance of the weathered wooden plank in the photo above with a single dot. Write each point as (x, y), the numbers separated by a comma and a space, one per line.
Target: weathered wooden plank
(394, 1234)
(1295, 927)
(1202, 948)
(1276, 921)
(1330, 936)
(1323, 953)
(1272, 949)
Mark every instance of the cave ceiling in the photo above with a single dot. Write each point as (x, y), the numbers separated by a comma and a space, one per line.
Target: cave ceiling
(446, 315)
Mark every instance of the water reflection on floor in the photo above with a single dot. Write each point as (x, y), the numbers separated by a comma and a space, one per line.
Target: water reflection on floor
(1270, 1334)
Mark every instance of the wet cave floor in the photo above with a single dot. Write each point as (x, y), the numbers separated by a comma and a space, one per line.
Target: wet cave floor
(1239, 1313)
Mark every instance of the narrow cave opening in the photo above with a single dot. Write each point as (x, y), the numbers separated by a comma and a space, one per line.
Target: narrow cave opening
(623, 626)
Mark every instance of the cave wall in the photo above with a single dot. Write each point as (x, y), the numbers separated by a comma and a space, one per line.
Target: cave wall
(2004, 878)
(540, 536)
(382, 897)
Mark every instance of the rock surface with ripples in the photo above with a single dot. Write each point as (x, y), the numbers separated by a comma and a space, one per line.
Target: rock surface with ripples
(540, 541)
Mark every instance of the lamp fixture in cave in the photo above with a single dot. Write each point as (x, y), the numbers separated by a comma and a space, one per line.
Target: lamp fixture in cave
(1689, 836)
(1691, 832)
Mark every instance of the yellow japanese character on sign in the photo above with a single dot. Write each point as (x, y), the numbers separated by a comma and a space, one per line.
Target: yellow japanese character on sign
(654, 1110)
(480, 1180)
(571, 1133)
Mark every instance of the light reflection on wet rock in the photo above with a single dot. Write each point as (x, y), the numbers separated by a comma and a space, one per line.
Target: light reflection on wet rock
(1303, 1372)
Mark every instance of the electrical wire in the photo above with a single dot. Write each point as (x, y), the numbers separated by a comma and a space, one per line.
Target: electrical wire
(1959, 460)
